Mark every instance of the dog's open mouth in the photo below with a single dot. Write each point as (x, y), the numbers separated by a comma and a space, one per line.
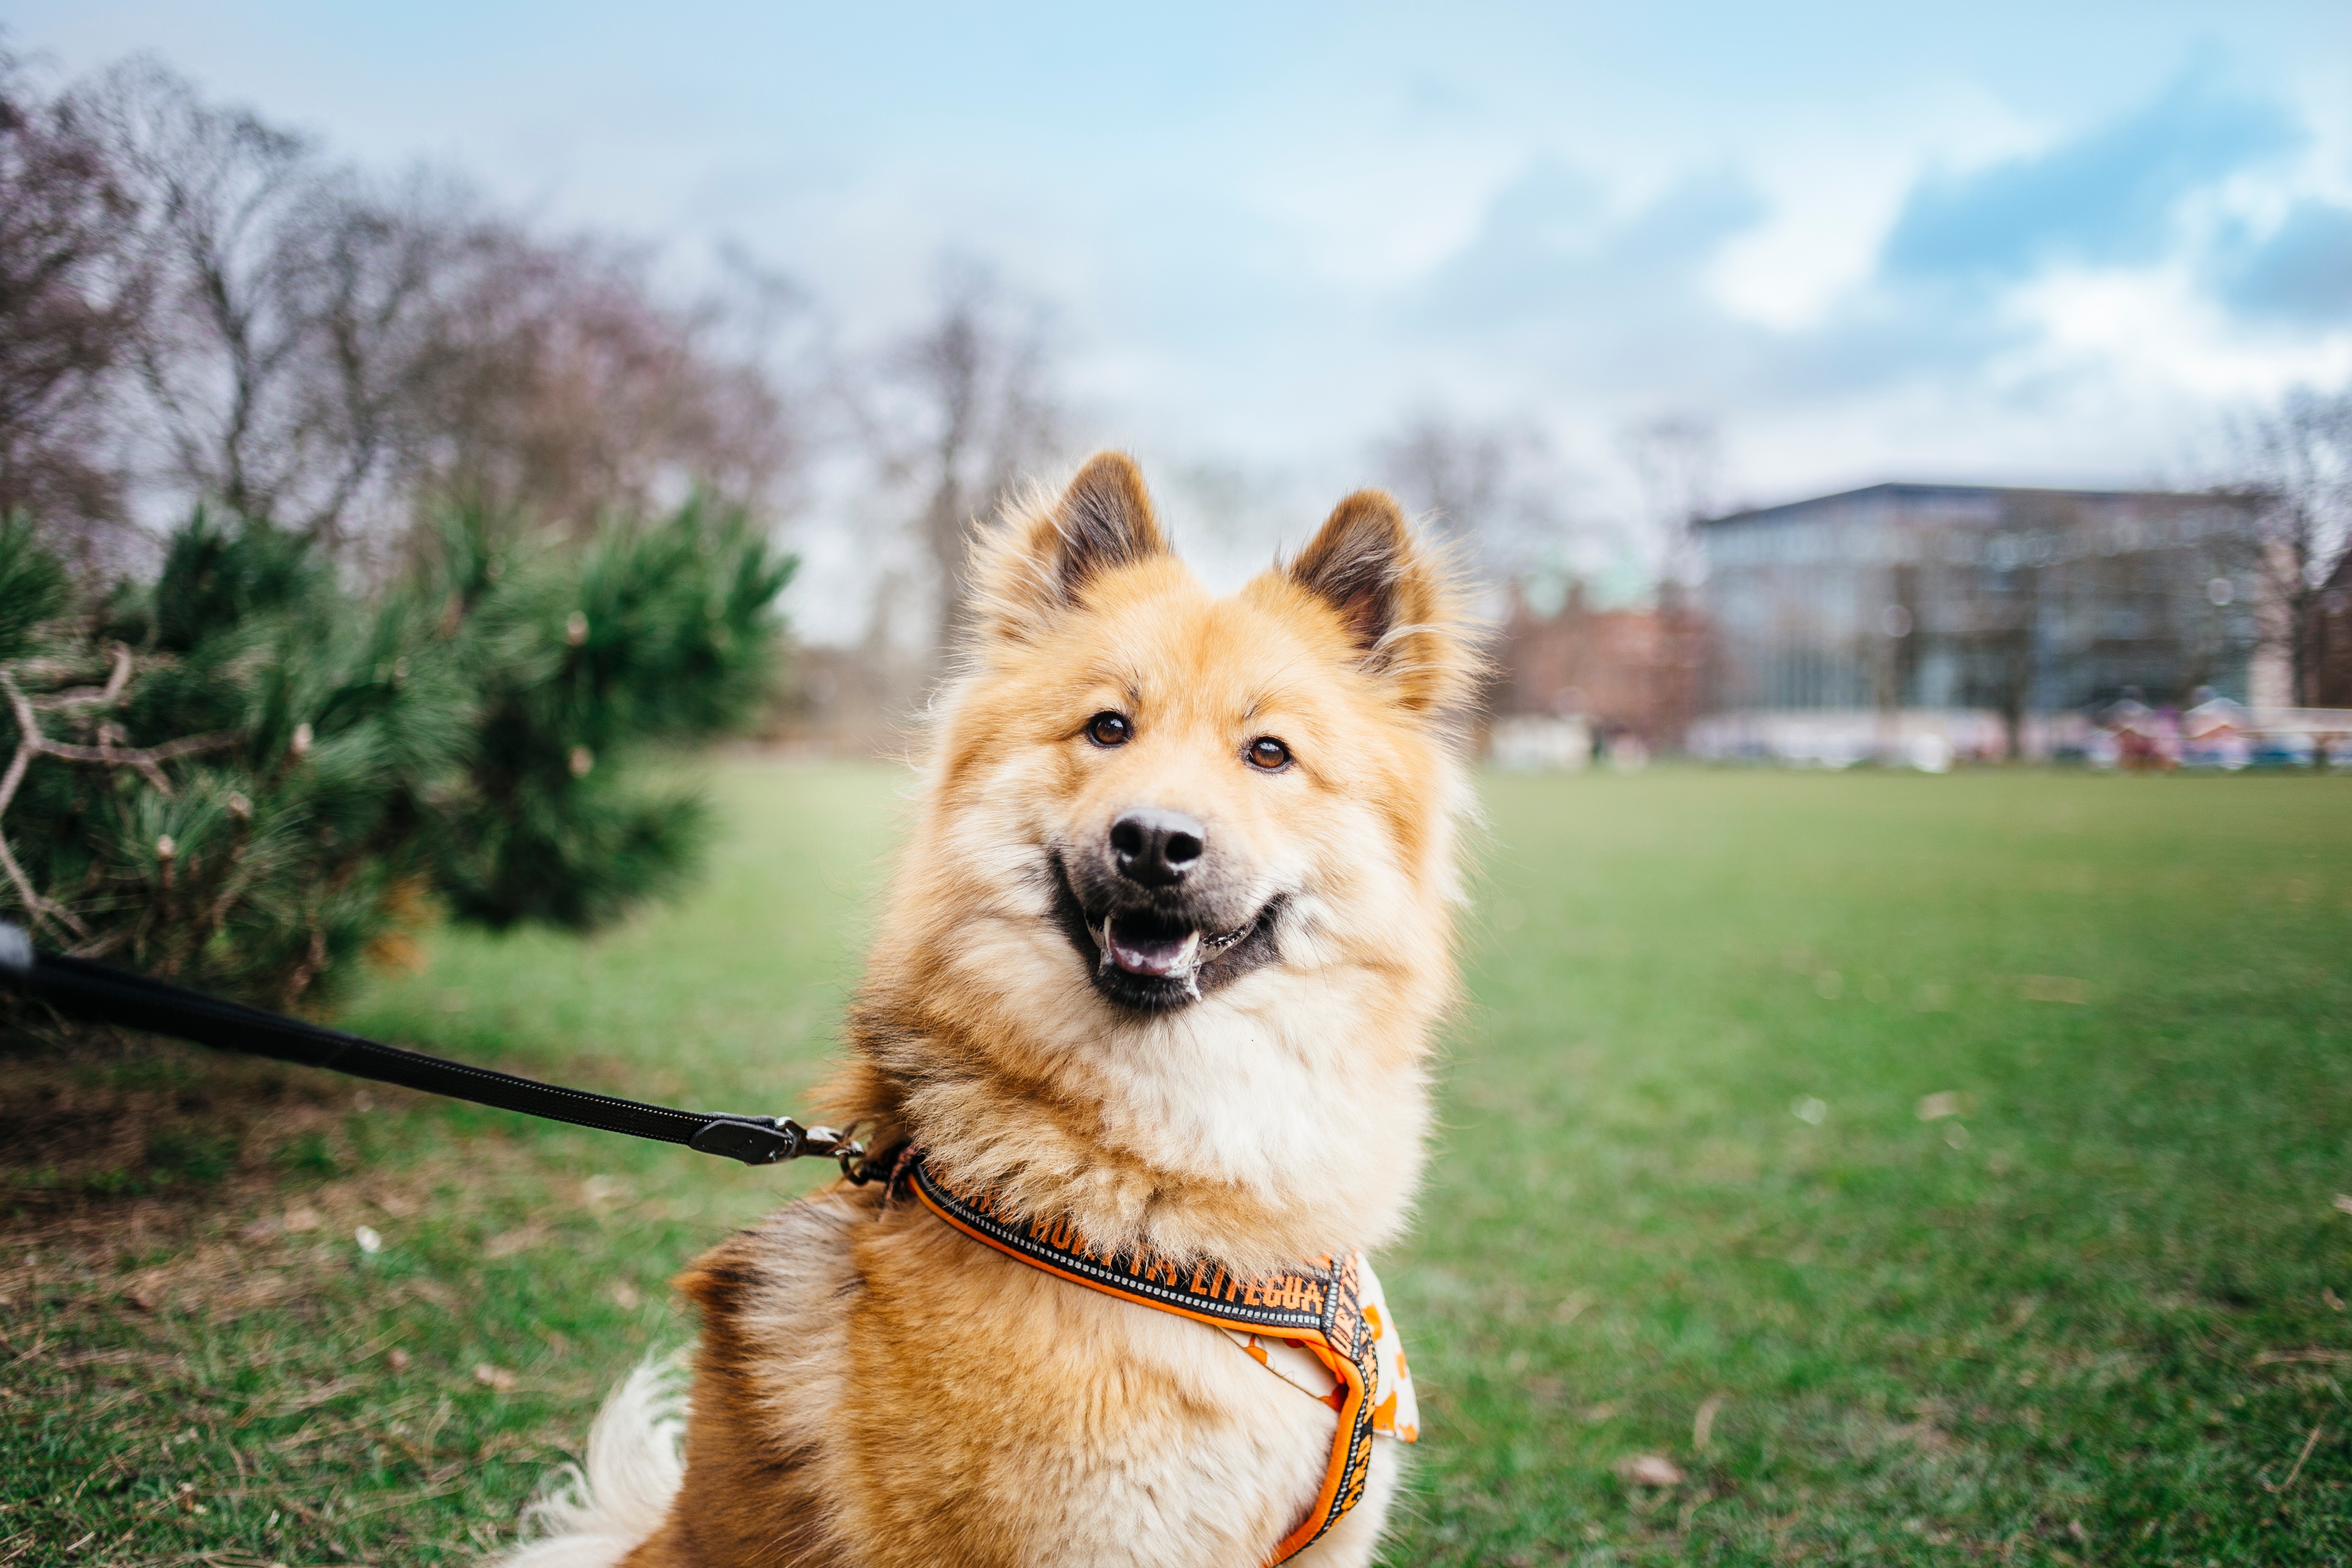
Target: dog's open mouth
(1147, 944)
(1157, 957)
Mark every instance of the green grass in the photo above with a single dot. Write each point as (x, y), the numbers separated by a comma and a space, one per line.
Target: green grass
(2093, 1317)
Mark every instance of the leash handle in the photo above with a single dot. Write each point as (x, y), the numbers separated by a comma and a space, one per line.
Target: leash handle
(97, 994)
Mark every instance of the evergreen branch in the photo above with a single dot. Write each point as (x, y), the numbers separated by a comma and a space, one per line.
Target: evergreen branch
(467, 698)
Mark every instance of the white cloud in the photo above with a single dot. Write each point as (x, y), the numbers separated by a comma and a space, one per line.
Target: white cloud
(2156, 329)
(1834, 175)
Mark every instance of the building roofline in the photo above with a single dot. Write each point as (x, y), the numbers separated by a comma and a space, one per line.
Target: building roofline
(1922, 489)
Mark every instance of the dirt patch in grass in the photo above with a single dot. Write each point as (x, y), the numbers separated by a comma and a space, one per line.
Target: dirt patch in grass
(213, 1353)
(88, 1117)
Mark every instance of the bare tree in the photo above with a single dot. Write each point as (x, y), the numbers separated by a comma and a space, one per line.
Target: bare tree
(325, 349)
(2295, 461)
(373, 299)
(230, 216)
(1677, 460)
(1496, 487)
(70, 301)
(957, 414)
(557, 383)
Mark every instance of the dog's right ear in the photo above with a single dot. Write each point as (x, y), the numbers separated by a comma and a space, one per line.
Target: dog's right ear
(1036, 564)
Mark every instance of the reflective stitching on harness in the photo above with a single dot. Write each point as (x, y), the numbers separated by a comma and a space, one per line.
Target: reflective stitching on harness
(1320, 1309)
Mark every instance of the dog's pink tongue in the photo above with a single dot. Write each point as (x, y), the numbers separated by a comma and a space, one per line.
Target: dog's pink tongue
(1152, 955)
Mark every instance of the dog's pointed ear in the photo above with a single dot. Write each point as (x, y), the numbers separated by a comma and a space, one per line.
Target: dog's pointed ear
(1397, 603)
(1038, 564)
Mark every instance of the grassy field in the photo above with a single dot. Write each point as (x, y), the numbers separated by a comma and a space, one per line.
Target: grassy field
(1921, 1170)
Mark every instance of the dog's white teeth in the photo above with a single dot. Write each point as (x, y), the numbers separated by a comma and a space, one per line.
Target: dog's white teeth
(1186, 964)
(1161, 958)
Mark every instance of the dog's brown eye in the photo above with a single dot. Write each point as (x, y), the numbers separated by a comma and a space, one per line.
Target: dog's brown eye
(1109, 729)
(1269, 754)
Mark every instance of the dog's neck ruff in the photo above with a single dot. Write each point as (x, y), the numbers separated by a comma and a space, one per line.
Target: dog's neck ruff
(1324, 1330)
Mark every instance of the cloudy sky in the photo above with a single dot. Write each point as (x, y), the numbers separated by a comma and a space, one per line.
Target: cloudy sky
(2027, 242)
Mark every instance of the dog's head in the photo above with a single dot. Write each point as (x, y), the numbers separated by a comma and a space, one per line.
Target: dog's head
(1183, 857)
(1199, 782)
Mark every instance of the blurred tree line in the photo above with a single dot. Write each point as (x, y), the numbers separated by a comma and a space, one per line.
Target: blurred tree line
(362, 550)
(199, 304)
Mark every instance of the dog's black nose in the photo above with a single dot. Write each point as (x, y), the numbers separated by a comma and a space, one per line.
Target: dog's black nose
(1156, 847)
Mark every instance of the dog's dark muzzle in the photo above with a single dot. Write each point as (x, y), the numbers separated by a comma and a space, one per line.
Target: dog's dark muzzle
(1149, 922)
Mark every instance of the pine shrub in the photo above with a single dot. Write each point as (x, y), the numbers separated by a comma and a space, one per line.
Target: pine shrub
(245, 773)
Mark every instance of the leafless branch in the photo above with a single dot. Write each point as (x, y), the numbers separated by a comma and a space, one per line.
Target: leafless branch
(36, 907)
(31, 742)
(105, 696)
(137, 756)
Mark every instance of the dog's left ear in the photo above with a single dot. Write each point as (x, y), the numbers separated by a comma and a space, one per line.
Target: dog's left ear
(1398, 602)
(1040, 561)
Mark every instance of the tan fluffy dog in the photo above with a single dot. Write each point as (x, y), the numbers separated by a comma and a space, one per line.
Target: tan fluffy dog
(1163, 954)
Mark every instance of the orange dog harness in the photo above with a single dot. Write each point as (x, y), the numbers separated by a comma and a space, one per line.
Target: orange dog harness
(1325, 1331)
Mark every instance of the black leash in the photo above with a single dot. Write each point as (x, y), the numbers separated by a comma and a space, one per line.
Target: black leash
(98, 995)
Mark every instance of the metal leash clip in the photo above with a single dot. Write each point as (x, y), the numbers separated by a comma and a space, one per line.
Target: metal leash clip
(771, 1139)
(848, 1150)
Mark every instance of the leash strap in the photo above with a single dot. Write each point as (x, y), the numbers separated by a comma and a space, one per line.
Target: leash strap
(98, 995)
(1320, 1308)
